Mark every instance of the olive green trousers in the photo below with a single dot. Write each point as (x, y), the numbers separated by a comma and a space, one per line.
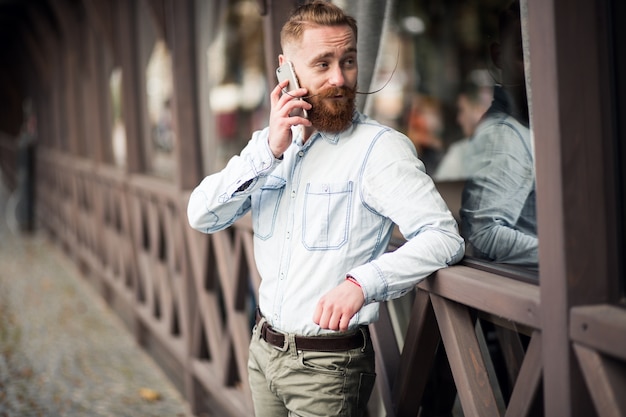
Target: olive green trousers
(307, 383)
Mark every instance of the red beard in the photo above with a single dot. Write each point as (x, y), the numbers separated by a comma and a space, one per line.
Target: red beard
(330, 114)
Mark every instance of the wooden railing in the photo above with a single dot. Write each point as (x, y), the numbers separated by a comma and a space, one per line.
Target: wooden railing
(190, 299)
(186, 295)
(598, 334)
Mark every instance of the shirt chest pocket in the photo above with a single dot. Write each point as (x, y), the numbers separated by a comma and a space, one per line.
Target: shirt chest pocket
(326, 218)
(265, 207)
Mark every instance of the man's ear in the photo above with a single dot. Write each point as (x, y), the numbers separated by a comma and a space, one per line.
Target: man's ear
(281, 59)
(495, 49)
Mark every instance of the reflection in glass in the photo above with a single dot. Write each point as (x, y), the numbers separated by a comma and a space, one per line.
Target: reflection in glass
(498, 213)
(118, 139)
(438, 78)
(472, 102)
(432, 60)
(159, 100)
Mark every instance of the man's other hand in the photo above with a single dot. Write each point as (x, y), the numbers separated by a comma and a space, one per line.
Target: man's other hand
(335, 309)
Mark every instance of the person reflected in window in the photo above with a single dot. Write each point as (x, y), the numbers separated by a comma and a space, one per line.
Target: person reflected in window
(498, 213)
(472, 103)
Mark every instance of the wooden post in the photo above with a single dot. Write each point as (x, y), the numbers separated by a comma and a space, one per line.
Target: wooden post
(275, 14)
(71, 109)
(187, 124)
(125, 13)
(575, 233)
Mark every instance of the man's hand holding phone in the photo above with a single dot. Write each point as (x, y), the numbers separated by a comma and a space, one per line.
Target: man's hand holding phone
(287, 110)
(287, 72)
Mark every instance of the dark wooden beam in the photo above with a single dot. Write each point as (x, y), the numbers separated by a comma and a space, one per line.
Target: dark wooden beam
(466, 360)
(417, 358)
(159, 12)
(70, 47)
(528, 381)
(46, 35)
(576, 235)
(276, 14)
(126, 39)
(606, 380)
(187, 125)
(100, 15)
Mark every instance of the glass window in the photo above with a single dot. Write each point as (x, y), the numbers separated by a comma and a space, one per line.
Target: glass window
(454, 82)
(238, 93)
(118, 130)
(160, 118)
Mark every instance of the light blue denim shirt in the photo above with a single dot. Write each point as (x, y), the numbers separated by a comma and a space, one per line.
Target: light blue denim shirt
(498, 209)
(328, 209)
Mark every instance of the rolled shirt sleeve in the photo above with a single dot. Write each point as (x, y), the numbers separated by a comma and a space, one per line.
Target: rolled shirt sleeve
(222, 198)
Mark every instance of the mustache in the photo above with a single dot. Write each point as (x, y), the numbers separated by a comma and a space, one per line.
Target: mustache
(331, 92)
(336, 91)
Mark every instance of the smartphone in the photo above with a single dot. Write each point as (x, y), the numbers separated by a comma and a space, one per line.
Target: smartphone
(286, 72)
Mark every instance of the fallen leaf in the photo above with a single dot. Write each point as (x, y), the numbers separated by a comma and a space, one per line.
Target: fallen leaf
(149, 394)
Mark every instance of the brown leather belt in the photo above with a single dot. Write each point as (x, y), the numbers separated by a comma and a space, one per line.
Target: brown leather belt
(324, 343)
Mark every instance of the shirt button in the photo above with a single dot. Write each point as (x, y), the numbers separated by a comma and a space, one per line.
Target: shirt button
(301, 153)
(293, 193)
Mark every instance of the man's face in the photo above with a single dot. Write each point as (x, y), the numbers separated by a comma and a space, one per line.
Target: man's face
(325, 64)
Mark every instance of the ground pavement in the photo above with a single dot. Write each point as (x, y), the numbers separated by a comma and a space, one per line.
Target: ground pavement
(63, 352)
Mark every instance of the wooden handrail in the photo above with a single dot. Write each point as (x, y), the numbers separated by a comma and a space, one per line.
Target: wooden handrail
(494, 294)
(601, 327)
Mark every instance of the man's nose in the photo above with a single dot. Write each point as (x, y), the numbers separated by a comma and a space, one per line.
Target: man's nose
(337, 78)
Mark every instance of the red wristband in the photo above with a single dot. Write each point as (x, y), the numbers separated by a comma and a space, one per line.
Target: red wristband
(354, 281)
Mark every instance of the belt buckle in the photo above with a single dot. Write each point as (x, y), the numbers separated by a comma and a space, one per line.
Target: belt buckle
(285, 345)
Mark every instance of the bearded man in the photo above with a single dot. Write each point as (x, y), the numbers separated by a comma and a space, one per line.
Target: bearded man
(325, 192)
